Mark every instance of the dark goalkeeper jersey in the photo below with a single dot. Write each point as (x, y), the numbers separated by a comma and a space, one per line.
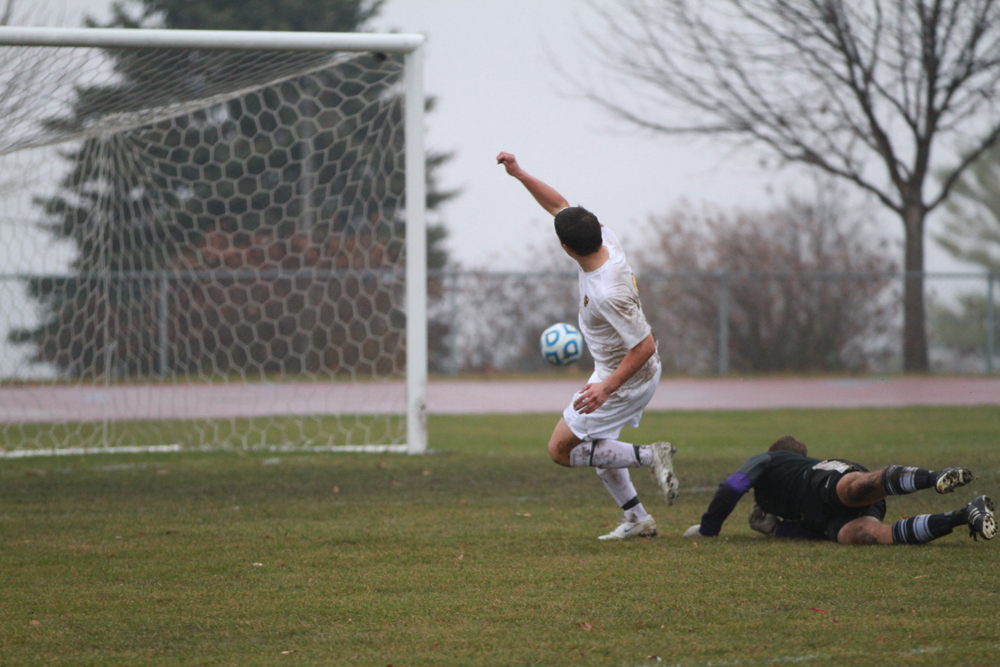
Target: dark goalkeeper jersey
(780, 481)
(784, 484)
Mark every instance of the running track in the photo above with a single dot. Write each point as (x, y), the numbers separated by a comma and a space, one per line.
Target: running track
(60, 403)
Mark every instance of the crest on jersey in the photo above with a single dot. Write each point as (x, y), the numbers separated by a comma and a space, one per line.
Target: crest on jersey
(586, 300)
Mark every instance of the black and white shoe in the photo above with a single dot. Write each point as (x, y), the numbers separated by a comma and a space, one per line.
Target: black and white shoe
(981, 521)
(662, 470)
(628, 530)
(950, 479)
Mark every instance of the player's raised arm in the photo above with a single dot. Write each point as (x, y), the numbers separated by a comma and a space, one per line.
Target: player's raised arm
(544, 194)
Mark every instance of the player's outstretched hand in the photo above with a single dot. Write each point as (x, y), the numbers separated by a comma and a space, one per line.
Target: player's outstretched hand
(591, 397)
(509, 162)
(693, 531)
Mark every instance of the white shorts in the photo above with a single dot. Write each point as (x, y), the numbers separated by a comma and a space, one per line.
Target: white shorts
(624, 408)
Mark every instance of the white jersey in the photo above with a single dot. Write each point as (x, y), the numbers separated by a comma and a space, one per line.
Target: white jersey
(611, 317)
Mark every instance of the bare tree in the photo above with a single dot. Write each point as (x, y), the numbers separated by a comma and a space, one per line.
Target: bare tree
(865, 90)
(807, 287)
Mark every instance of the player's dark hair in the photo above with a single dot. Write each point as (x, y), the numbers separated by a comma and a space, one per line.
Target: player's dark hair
(789, 443)
(579, 230)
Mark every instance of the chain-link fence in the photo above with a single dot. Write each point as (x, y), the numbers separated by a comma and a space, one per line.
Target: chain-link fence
(484, 321)
(719, 322)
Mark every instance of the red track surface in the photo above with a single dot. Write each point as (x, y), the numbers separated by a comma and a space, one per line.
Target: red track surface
(60, 403)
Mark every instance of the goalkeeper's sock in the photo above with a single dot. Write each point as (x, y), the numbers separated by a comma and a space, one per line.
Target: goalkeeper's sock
(899, 480)
(926, 527)
(610, 454)
(619, 484)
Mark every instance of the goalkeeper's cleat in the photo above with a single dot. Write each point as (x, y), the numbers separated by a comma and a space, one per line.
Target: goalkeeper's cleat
(950, 479)
(627, 530)
(662, 470)
(981, 520)
(761, 521)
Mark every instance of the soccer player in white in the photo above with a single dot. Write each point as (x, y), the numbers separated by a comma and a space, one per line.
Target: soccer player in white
(626, 365)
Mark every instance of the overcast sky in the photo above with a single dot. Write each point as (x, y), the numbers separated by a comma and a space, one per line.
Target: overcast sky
(489, 63)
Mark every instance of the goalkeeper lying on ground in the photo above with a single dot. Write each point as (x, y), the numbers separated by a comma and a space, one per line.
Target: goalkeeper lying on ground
(798, 496)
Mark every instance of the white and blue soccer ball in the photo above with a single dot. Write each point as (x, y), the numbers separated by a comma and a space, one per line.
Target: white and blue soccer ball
(561, 344)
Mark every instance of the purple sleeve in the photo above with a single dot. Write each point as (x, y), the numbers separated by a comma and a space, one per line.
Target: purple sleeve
(724, 503)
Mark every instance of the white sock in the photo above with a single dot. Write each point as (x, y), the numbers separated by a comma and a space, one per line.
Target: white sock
(610, 454)
(619, 485)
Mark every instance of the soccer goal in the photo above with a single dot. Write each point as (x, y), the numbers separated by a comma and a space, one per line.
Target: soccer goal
(211, 240)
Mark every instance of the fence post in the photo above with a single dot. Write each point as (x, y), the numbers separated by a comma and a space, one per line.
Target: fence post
(454, 363)
(164, 310)
(724, 325)
(991, 322)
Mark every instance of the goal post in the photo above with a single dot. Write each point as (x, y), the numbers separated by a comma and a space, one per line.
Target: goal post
(240, 249)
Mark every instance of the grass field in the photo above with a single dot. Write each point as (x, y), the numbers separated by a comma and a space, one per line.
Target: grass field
(485, 554)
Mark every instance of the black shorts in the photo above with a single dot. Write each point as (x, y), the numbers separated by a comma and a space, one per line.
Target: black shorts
(822, 511)
(849, 514)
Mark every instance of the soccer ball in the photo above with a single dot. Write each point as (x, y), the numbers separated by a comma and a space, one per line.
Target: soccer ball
(561, 344)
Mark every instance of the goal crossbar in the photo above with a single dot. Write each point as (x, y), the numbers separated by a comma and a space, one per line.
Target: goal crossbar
(408, 45)
(210, 39)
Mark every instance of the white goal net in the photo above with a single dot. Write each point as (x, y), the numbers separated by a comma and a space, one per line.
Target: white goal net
(211, 240)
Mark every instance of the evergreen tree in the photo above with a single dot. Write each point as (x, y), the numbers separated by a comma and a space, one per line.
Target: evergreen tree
(288, 15)
(971, 234)
(972, 229)
(221, 187)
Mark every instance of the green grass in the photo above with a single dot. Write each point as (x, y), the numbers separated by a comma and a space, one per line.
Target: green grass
(258, 433)
(484, 554)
